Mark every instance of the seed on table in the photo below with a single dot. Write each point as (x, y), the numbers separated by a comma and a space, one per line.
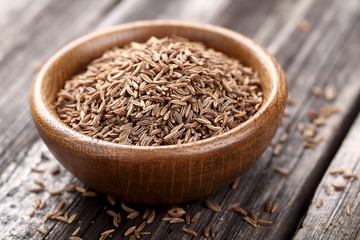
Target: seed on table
(277, 149)
(206, 231)
(330, 92)
(317, 91)
(190, 231)
(320, 203)
(176, 212)
(264, 222)
(196, 217)
(273, 208)
(129, 231)
(250, 221)
(41, 230)
(212, 205)
(281, 170)
(339, 187)
(187, 219)
(350, 175)
(327, 189)
(177, 220)
(241, 211)
(39, 182)
(77, 230)
(151, 217)
(336, 171)
(36, 190)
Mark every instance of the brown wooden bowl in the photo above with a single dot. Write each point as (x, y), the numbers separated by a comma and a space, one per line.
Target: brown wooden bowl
(161, 174)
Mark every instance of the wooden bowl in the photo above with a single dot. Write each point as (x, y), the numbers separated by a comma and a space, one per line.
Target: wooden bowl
(161, 174)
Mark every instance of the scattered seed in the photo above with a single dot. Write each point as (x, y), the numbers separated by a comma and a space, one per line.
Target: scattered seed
(129, 231)
(277, 149)
(187, 219)
(330, 92)
(111, 200)
(196, 217)
(274, 207)
(339, 187)
(250, 221)
(36, 202)
(281, 170)
(55, 171)
(77, 230)
(206, 231)
(37, 170)
(137, 234)
(268, 206)
(350, 175)
(42, 205)
(328, 110)
(31, 214)
(327, 189)
(336, 171)
(39, 182)
(233, 206)
(70, 187)
(75, 238)
(36, 190)
(105, 234)
(41, 230)
(151, 217)
(241, 211)
(80, 189)
(72, 218)
(320, 203)
(264, 222)
(301, 127)
(141, 226)
(61, 205)
(133, 215)
(177, 220)
(304, 25)
(317, 91)
(126, 208)
(348, 209)
(212, 205)
(253, 215)
(55, 191)
(213, 232)
(190, 231)
(176, 212)
(284, 137)
(290, 100)
(235, 184)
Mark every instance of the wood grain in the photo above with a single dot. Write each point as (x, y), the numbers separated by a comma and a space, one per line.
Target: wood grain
(339, 217)
(328, 53)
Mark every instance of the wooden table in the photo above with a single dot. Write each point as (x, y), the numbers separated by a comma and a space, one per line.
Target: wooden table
(316, 41)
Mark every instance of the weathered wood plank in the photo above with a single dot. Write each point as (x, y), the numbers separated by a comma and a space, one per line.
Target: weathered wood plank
(32, 34)
(339, 216)
(327, 54)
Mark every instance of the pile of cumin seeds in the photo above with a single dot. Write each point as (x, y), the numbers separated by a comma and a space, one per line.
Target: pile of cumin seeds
(161, 92)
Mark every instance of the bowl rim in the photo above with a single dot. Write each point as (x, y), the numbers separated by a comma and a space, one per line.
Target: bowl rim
(276, 76)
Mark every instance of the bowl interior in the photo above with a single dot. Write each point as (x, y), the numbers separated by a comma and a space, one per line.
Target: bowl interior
(74, 58)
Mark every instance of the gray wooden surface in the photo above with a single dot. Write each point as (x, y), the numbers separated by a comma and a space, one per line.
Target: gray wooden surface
(328, 53)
